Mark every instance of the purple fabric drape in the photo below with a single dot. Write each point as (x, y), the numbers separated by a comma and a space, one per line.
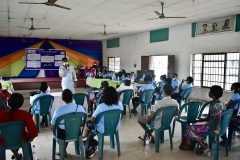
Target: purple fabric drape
(51, 73)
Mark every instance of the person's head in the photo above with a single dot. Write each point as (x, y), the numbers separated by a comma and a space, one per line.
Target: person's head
(163, 77)
(235, 87)
(67, 96)
(65, 61)
(125, 75)
(15, 101)
(204, 26)
(167, 90)
(127, 82)
(157, 90)
(215, 92)
(144, 74)
(104, 84)
(214, 26)
(95, 63)
(110, 96)
(147, 79)
(43, 87)
(226, 23)
(168, 81)
(174, 76)
(132, 73)
(189, 80)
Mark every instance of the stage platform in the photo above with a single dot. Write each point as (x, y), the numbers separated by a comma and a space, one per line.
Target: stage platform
(34, 83)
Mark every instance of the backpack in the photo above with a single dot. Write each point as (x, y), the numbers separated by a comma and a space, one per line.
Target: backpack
(90, 146)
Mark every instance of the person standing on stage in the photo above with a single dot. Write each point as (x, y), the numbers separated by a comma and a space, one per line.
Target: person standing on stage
(67, 72)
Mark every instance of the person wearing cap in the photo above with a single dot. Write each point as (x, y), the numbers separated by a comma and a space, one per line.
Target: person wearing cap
(67, 72)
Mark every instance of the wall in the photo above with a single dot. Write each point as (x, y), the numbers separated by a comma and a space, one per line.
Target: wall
(180, 44)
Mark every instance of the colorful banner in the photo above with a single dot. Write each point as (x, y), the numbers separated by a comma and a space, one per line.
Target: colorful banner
(44, 59)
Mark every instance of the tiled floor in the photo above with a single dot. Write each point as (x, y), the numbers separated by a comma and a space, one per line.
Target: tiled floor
(131, 147)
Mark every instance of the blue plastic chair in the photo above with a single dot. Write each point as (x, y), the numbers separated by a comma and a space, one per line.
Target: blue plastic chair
(148, 98)
(111, 120)
(73, 132)
(193, 108)
(12, 135)
(127, 95)
(4, 103)
(167, 116)
(185, 99)
(80, 98)
(207, 104)
(45, 103)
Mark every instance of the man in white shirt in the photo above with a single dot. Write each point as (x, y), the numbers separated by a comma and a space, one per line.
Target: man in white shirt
(124, 86)
(67, 72)
(165, 102)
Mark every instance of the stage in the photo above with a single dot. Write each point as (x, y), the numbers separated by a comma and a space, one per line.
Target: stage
(34, 83)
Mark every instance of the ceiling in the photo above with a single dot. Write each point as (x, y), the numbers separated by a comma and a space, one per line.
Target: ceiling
(87, 17)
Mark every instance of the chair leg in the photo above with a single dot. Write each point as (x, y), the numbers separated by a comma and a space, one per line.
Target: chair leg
(38, 122)
(183, 126)
(46, 120)
(30, 151)
(145, 136)
(170, 137)
(2, 153)
(76, 145)
(100, 146)
(50, 118)
(62, 149)
(173, 127)
(129, 110)
(81, 148)
(53, 148)
(226, 143)
(230, 145)
(157, 139)
(162, 136)
(142, 110)
(112, 143)
(118, 143)
(25, 151)
(124, 109)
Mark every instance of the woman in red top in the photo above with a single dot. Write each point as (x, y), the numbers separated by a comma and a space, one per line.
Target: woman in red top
(4, 94)
(14, 114)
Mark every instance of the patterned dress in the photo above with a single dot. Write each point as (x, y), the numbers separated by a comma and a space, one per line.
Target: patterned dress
(198, 131)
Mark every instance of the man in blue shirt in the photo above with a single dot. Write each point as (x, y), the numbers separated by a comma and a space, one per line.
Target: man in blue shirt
(175, 82)
(89, 73)
(141, 80)
(147, 86)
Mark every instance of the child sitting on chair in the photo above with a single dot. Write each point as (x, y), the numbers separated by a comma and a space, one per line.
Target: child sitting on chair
(93, 101)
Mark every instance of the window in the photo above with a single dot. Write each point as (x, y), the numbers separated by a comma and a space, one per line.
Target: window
(215, 69)
(113, 64)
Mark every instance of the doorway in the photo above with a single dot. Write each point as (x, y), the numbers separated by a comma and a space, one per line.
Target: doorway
(160, 66)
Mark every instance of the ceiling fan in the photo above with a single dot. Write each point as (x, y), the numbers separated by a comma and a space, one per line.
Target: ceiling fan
(161, 15)
(48, 3)
(104, 32)
(32, 28)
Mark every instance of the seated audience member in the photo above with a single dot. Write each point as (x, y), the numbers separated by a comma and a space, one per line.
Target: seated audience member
(124, 76)
(196, 133)
(124, 86)
(29, 132)
(4, 95)
(113, 75)
(110, 101)
(132, 77)
(36, 108)
(89, 73)
(147, 86)
(69, 107)
(175, 83)
(182, 88)
(153, 80)
(93, 101)
(162, 82)
(235, 88)
(141, 80)
(168, 81)
(157, 95)
(165, 102)
(105, 74)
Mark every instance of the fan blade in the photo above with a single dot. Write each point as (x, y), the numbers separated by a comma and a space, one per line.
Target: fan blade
(56, 5)
(41, 28)
(153, 18)
(30, 3)
(175, 17)
(158, 13)
(23, 27)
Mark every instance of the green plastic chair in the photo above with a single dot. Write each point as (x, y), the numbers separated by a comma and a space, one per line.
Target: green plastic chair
(80, 98)
(12, 135)
(127, 95)
(45, 102)
(73, 125)
(148, 98)
(111, 120)
(167, 116)
(185, 99)
(200, 115)
(4, 103)
(192, 113)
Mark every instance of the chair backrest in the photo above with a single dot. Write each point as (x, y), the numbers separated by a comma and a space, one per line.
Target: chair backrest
(12, 133)
(187, 92)
(111, 120)
(226, 118)
(167, 116)
(148, 96)
(45, 102)
(3, 103)
(80, 98)
(72, 122)
(127, 95)
(192, 110)
(209, 103)
(99, 98)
